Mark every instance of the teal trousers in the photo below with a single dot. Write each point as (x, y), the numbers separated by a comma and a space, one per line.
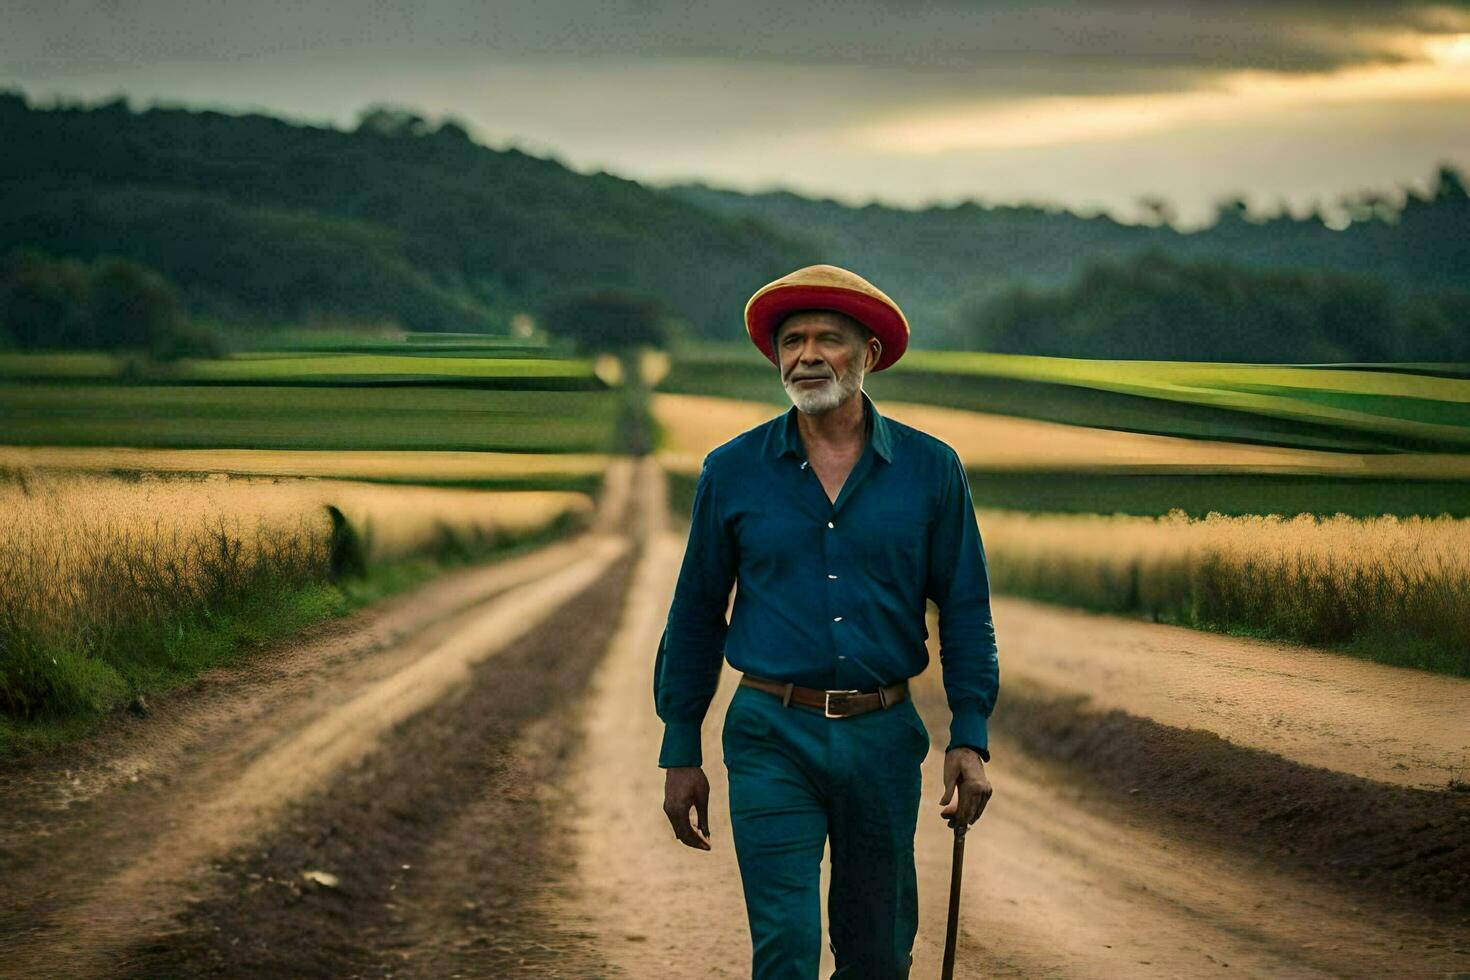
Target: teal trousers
(798, 778)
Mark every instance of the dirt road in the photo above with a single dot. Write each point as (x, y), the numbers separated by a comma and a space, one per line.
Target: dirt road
(1061, 882)
(462, 781)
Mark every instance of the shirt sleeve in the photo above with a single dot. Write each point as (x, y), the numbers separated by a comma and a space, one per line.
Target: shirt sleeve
(959, 584)
(686, 669)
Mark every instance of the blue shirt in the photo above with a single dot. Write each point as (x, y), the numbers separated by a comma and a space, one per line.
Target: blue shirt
(831, 595)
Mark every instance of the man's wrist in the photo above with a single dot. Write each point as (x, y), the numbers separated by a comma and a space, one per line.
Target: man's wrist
(983, 753)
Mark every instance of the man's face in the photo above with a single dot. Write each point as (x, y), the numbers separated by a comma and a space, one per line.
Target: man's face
(823, 358)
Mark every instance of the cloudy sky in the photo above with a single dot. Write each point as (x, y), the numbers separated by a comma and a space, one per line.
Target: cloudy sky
(1084, 105)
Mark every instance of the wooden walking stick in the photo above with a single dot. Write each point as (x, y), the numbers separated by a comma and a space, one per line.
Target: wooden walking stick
(951, 934)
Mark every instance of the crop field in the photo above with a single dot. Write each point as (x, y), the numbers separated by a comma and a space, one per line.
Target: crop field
(1391, 589)
(1331, 408)
(111, 586)
(1265, 541)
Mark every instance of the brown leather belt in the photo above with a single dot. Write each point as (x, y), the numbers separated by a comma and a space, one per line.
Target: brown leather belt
(833, 704)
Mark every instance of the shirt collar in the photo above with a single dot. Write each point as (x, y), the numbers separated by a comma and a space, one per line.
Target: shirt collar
(786, 439)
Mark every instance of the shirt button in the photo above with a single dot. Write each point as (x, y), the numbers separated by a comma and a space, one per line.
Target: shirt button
(836, 619)
(830, 524)
(830, 575)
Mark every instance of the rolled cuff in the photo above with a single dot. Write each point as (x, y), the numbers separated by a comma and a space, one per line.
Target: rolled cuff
(681, 745)
(969, 727)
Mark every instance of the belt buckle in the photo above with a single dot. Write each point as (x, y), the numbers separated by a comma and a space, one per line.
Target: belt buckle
(827, 701)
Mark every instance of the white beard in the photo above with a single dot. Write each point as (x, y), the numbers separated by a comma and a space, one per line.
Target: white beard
(835, 391)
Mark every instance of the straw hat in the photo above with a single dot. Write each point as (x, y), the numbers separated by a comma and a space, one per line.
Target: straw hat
(827, 287)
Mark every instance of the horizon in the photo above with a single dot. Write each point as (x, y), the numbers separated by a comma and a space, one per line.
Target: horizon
(1329, 206)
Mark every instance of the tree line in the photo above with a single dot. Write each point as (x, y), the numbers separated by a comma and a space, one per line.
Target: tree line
(1154, 306)
(109, 304)
(941, 263)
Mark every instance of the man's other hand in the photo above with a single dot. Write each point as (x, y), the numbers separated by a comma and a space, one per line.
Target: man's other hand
(964, 771)
(686, 787)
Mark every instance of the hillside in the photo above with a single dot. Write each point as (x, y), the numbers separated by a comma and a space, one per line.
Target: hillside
(261, 220)
(944, 263)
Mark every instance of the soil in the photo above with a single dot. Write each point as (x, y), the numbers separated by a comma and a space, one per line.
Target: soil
(443, 850)
(1394, 845)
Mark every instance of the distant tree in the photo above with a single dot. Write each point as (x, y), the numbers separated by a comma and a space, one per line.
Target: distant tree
(1157, 209)
(1231, 210)
(133, 307)
(608, 319)
(384, 119)
(114, 304)
(453, 129)
(1449, 185)
(117, 105)
(43, 301)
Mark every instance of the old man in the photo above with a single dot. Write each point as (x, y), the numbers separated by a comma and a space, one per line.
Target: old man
(834, 525)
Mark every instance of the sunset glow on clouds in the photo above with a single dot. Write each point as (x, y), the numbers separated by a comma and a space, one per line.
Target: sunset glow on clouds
(1443, 74)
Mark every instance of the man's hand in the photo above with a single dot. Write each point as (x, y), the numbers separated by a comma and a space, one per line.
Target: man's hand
(963, 769)
(686, 787)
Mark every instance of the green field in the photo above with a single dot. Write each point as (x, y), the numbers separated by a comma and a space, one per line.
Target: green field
(382, 341)
(1349, 409)
(1154, 494)
(464, 367)
(1232, 494)
(305, 417)
(456, 392)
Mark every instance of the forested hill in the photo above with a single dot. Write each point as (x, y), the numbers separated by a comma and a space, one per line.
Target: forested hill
(945, 262)
(259, 220)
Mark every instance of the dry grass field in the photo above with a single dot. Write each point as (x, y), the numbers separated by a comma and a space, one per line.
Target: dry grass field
(1393, 589)
(110, 584)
